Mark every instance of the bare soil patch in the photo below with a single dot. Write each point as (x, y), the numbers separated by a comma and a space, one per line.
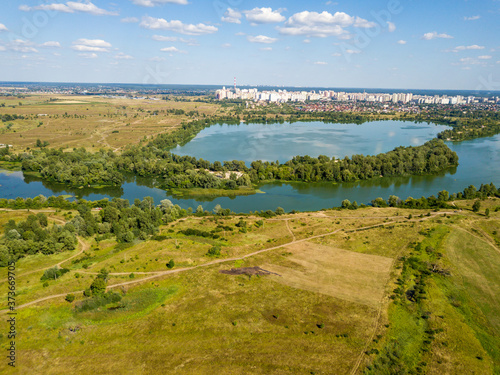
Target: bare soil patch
(250, 271)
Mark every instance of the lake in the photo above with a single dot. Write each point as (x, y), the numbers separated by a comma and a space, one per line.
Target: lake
(249, 142)
(479, 163)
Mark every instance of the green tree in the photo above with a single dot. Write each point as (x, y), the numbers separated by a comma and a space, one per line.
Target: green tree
(98, 286)
(170, 264)
(476, 206)
(70, 297)
(280, 211)
(345, 203)
(487, 212)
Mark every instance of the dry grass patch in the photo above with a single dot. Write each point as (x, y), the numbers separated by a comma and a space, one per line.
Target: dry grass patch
(335, 272)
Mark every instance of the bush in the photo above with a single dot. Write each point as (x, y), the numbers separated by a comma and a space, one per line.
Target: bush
(98, 301)
(171, 264)
(214, 251)
(53, 273)
(98, 286)
(70, 298)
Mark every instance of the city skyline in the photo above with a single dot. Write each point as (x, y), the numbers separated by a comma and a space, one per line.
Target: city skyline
(382, 44)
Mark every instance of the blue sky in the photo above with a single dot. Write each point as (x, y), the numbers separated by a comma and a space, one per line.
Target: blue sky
(445, 44)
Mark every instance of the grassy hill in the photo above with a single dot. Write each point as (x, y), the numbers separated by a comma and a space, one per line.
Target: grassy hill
(374, 290)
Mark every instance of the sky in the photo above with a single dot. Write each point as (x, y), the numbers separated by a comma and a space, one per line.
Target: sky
(419, 44)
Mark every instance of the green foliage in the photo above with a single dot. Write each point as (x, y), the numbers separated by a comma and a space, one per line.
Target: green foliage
(33, 236)
(98, 286)
(53, 273)
(70, 297)
(476, 206)
(345, 203)
(214, 251)
(97, 301)
(170, 264)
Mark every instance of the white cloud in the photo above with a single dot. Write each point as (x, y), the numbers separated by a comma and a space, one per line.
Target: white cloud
(152, 3)
(23, 46)
(122, 56)
(226, 45)
(261, 39)
(316, 31)
(362, 23)
(264, 15)
(465, 48)
(3, 27)
(266, 48)
(2, 48)
(130, 20)
(51, 44)
(172, 49)
(472, 18)
(336, 54)
(401, 41)
(485, 57)
(435, 35)
(240, 33)
(307, 41)
(91, 45)
(325, 18)
(93, 42)
(71, 7)
(88, 55)
(231, 16)
(320, 63)
(352, 51)
(158, 59)
(473, 61)
(161, 38)
(391, 27)
(322, 24)
(474, 46)
(177, 26)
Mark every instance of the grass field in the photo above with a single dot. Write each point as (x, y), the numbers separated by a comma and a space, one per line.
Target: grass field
(92, 122)
(330, 305)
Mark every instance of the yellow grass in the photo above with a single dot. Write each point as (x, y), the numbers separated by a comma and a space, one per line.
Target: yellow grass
(335, 272)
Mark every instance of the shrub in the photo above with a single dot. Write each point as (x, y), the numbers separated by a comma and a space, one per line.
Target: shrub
(98, 301)
(98, 286)
(214, 251)
(53, 273)
(171, 264)
(70, 298)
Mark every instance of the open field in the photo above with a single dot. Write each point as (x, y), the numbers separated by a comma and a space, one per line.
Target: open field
(92, 122)
(330, 300)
